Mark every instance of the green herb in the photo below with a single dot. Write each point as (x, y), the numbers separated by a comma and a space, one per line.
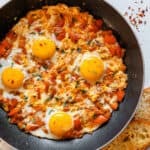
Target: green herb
(97, 82)
(62, 51)
(77, 84)
(33, 120)
(56, 34)
(45, 67)
(33, 33)
(41, 33)
(15, 18)
(70, 97)
(72, 50)
(48, 99)
(114, 73)
(36, 75)
(57, 98)
(65, 103)
(12, 64)
(83, 91)
(78, 69)
(25, 98)
(23, 126)
(9, 119)
(50, 111)
(1, 65)
(97, 42)
(79, 49)
(60, 70)
(38, 79)
(89, 42)
(94, 116)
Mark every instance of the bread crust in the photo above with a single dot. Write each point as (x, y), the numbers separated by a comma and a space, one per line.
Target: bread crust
(137, 134)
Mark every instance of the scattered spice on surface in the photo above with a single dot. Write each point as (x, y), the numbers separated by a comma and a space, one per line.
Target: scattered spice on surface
(136, 13)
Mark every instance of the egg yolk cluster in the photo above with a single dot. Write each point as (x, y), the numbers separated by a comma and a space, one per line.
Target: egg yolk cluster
(60, 123)
(43, 48)
(92, 68)
(12, 78)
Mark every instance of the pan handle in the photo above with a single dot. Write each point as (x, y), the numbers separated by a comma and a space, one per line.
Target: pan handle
(5, 146)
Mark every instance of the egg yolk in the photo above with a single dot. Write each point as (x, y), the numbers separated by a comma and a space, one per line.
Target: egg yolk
(60, 123)
(43, 48)
(92, 68)
(12, 78)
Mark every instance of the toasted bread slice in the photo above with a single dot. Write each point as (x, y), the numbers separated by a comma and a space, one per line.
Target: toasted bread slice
(137, 135)
(143, 109)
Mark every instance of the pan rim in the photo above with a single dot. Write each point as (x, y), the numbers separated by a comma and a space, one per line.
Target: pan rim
(141, 55)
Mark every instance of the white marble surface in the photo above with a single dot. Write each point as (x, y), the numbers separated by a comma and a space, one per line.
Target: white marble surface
(142, 35)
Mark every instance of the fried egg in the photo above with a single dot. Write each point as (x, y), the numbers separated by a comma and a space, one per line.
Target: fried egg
(58, 123)
(12, 74)
(43, 48)
(90, 66)
(12, 78)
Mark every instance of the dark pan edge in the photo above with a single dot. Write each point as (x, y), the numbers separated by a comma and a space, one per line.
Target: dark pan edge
(143, 67)
(143, 73)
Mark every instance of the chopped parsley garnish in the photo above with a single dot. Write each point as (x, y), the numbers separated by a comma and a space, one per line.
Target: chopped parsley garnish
(9, 119)
(77, 84)
(45, 67)
(57, 98)
(65, 103)
(23, 126)
(114, 73)
(12, 64)
(56, 34)
(94, 116)
(41, 33)
(72, 50)
(25, 98)
(49, 98)
(89, 42)
(70, 97)
(83, 91)
(79, 49)
(38, 79)
(50, 111)
(1, 65)
(33, 33)
(97, 82)
(62, 51)
(36, 75)
(15, 18)
(33, 120)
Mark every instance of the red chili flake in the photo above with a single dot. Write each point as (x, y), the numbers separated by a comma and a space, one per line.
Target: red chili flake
(137, 15)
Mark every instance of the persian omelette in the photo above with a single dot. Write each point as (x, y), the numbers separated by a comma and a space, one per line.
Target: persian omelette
(61, 75)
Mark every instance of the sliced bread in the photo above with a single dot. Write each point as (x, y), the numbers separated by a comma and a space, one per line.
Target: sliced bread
(137, 135)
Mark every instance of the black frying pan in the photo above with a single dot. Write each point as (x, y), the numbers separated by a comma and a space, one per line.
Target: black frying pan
(133, 60)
